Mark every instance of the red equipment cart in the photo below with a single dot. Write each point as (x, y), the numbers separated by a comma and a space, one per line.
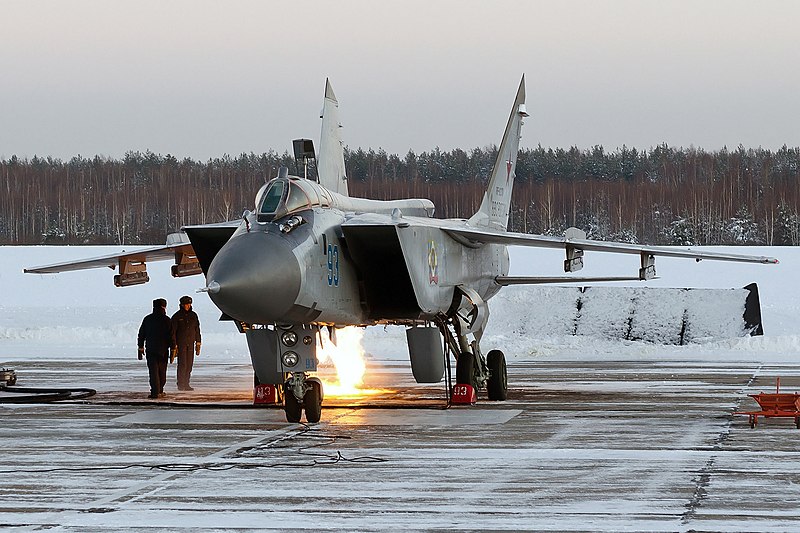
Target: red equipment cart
(780, 404)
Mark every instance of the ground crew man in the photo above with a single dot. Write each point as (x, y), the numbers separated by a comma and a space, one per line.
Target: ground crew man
(185, 340)
(154, 339)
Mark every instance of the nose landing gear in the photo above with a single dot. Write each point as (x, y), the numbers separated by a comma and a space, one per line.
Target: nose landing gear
(302, 392)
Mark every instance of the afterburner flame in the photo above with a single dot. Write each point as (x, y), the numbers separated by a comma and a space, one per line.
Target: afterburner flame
(347, 356)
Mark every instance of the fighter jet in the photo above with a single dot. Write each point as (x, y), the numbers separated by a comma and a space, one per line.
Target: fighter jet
(309, 256)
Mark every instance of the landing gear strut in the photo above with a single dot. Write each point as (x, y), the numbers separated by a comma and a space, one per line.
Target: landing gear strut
(472, 367)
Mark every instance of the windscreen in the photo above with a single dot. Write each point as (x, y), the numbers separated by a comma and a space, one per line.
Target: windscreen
(272, 198)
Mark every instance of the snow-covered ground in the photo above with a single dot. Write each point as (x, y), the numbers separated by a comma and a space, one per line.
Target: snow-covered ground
(81, 314)
(599, 435)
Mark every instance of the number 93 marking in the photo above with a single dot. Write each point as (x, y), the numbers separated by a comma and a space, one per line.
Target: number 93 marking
(333, 265)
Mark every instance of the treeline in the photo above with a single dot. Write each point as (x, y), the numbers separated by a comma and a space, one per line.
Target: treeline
(662, 195)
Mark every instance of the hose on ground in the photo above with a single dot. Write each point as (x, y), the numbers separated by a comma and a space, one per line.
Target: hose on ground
(42, 395)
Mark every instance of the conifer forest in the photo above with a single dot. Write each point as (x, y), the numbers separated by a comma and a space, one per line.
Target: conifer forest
(662, 195)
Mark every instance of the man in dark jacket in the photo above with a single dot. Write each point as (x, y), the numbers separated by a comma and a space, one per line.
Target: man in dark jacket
(155, 334)
(185, 340)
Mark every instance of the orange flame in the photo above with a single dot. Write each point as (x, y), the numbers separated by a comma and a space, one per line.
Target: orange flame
(347, 356)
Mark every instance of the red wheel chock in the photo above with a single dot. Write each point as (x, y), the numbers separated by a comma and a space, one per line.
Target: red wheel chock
(266, 394)
(463, 395)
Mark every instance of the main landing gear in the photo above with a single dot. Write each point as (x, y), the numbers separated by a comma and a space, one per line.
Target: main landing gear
(484, 373)
(472, 367)
(467, 316)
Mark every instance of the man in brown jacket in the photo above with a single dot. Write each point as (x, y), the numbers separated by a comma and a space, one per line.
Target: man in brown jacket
(185, 340)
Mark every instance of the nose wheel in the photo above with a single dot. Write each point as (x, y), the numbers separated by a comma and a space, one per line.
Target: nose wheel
(293, 408)
(302, 393)
(313, 402)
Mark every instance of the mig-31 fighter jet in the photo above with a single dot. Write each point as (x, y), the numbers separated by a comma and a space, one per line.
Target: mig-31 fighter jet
(309, 256)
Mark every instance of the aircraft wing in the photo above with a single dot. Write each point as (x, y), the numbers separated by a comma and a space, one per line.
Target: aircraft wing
(132, 265)
(371, 229)
(155, 253)
(482, 236)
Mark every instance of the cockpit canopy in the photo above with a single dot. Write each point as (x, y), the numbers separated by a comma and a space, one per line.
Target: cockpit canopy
(284, 196)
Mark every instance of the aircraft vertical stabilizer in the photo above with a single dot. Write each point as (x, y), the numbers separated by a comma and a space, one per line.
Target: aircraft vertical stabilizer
(496, 202)
(331, 150)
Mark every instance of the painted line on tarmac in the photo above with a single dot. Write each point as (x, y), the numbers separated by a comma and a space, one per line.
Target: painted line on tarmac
(131, 492)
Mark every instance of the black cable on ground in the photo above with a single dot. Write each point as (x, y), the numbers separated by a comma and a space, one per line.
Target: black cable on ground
(250, 453)
(48, 394)
(44, 395)
(205, 405)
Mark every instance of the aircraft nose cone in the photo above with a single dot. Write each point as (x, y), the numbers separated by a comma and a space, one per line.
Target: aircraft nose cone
(255, 278)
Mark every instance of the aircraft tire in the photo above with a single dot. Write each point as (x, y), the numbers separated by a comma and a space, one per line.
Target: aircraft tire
(313, 402)
(465, 370)
(497, 387)
(293, 408)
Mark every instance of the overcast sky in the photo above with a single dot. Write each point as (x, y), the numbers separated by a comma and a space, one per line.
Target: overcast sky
(200, 79)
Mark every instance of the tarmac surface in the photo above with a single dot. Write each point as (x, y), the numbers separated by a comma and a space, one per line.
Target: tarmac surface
(578, 446)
